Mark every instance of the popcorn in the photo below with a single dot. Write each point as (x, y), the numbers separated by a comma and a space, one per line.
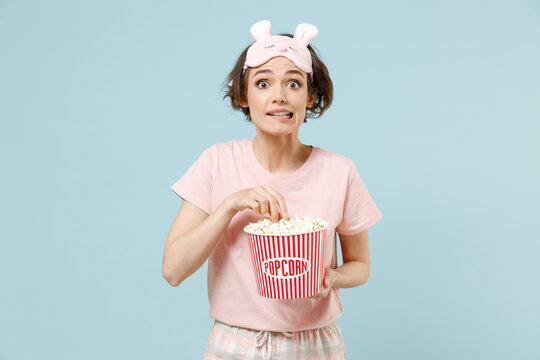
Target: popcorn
(287, 226)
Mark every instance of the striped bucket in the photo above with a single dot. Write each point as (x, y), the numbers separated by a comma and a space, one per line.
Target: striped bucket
(288, 266)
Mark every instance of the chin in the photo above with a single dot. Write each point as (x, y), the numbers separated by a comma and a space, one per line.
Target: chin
(278, 132)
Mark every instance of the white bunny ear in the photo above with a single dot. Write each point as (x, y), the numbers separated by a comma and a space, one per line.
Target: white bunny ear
(261, 29)
(304, 33)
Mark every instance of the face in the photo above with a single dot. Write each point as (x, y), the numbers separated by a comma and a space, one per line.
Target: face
(277, 96)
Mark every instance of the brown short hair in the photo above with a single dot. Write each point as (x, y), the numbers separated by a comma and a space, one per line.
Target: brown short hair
(321, 84)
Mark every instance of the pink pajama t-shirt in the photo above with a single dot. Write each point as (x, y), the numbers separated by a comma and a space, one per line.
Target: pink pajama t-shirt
(327, 186)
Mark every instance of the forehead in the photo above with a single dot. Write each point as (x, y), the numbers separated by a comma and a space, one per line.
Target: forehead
(279, 66)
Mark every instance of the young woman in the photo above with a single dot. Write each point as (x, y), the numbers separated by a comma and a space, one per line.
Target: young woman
(277, 82)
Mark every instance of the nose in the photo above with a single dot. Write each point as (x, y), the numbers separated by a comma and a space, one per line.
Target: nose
(279, 95)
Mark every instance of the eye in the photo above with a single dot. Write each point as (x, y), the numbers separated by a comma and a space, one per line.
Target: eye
(262, 84)
(294, 84)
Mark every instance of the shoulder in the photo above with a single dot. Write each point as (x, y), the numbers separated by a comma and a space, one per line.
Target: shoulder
(222, 150)
(335, 160)
(224, 147)
(229, 146)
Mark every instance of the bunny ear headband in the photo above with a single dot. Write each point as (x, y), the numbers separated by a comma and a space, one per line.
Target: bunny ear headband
(267, 46)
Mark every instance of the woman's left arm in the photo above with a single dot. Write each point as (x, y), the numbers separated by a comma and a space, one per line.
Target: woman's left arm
(355, 268)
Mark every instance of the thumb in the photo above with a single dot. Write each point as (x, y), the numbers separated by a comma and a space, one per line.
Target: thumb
(326, 281)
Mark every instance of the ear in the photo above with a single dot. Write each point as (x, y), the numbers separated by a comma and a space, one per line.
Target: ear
(311, 100)
(243, 104)
(304, 33)
(261, 30)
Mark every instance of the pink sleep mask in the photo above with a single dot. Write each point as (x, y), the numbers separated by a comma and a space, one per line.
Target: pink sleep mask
(267, 46)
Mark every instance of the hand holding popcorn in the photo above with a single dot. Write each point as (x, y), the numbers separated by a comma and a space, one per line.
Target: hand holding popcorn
(330, 276)
(262, 200)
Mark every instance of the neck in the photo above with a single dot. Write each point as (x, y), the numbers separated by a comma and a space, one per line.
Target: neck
(280, 155)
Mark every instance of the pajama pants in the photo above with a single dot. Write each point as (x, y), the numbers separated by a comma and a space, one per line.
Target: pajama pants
(231, 342)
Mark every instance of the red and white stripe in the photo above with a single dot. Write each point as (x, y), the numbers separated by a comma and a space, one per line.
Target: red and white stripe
(288, 266)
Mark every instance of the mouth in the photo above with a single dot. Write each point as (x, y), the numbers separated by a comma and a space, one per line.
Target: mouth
(282, 115)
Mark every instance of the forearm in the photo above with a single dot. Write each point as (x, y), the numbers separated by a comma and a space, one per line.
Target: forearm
(351, 274)
(188, 252)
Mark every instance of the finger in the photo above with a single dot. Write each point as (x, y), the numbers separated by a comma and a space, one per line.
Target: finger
(333, 275)
(263, 203)
(274, 210)
(328, 274)
(272, 205)
(255, 206)
(263, 198)
(280, 200)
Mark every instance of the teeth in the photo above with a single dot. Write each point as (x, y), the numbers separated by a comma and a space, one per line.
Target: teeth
(280, 113)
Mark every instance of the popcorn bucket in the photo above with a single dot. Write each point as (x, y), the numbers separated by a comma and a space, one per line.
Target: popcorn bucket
(288, 266)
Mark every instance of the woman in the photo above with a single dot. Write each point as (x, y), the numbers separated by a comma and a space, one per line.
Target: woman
(276, 82)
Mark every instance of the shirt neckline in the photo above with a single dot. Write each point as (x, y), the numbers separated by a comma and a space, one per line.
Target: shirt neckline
(302, 169)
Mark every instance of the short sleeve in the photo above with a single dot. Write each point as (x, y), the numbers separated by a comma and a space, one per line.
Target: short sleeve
(359, 209)
(195, 185)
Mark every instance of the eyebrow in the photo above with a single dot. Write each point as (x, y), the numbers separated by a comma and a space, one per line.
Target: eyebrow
(292, 71)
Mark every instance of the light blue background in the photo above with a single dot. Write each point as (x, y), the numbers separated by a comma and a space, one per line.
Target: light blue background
(105, 104)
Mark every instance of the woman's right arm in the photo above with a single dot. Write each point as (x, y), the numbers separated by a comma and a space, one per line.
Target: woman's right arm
(191, 239)
(194, 234)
